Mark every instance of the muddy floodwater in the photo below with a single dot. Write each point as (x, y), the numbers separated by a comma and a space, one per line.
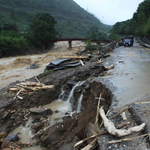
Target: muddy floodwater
(131, 75)
(15, 68)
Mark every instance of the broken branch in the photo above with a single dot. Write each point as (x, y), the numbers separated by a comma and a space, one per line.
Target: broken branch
(81, 62)
(96, 120)
(90, 145)
(142, 102)
(120, 112)
(128, 139)
(37, 79)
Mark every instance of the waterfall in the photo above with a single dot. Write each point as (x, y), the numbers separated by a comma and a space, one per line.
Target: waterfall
(72, 91)
(79, 103)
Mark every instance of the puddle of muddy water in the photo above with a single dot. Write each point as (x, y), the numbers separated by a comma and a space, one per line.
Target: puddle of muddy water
(25, 133)
(132, 77)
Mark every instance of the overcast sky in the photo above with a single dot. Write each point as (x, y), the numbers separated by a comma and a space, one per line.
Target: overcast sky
(110, 11)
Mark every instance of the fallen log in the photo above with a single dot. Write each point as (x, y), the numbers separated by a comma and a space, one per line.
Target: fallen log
(109, 125)
(30, 84)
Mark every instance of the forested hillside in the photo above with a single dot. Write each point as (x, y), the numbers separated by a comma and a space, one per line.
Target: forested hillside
(138, 25)
(72, 20)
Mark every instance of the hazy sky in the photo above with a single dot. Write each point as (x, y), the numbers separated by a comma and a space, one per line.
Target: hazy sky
(110, 11)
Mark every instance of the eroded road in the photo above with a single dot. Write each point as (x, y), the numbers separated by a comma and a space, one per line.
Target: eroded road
(131, 75)
(130, 82)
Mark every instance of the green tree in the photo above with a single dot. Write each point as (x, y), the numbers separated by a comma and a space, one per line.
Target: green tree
(94, 34)
(10, 27)
(42, 29)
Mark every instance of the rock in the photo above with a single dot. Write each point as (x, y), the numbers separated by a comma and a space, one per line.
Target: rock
(33, 66)
(12, 138)
(41, 111)
(71, 82)
(3, 135)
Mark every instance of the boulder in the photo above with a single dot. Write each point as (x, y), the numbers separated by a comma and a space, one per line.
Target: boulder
(41, 111)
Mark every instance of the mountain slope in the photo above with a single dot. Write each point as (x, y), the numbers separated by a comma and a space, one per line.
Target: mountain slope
(73, 21)
(139, 24)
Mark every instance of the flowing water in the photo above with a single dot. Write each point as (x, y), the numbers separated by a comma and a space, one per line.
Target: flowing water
(25, 133)
(79, 103)
(63, 108)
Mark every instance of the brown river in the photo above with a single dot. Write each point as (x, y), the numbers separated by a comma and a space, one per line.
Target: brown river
(14, 68)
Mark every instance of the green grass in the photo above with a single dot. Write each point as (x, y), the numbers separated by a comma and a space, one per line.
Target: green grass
(45, 74)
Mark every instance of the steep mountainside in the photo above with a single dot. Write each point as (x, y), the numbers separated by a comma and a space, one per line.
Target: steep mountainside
(139, 24)
(73, 21)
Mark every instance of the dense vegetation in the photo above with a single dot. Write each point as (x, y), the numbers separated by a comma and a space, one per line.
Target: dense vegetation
(41, 29)
(72, 20)
(138, 25)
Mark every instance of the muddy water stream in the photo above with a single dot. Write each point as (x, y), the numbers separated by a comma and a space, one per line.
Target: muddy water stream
(63, 108)
(131, 75)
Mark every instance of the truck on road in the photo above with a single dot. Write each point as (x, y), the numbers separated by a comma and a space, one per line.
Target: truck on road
(128, 41)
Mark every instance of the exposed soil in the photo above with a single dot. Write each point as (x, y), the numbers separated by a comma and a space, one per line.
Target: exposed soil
(15, 112)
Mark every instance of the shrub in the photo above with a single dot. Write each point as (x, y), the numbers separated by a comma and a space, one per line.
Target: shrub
(12, 46)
